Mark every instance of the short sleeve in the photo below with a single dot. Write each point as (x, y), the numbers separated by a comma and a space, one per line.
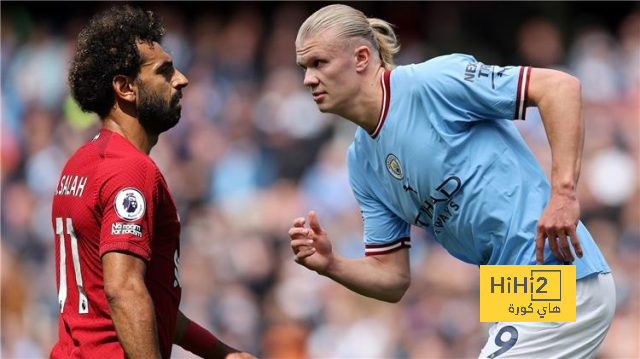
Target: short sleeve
(384, 232)
(127, 200)
(476, 91)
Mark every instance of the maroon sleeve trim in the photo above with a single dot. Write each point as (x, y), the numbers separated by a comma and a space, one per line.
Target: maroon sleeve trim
(522, 93)
(375, 249)
(526, 94)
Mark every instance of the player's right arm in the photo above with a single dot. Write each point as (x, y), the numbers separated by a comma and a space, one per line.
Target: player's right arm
(126, 198)
(130, 304)
(383, 273)
(196, 339)
(384, 276)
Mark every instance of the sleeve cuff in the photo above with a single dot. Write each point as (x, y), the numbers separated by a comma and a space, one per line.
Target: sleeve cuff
(522, 93)
(125, 246)
(375, 249)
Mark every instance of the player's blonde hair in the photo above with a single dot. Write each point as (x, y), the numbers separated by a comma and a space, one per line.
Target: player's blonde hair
(349, 23)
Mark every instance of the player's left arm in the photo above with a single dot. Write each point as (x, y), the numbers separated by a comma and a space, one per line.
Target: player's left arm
(192, 337)
(558, 97)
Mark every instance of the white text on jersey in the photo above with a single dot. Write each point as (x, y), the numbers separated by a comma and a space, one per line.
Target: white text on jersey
(71, 185)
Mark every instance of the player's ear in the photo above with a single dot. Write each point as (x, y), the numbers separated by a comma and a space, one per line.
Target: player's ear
(124, 88)
(363, 57)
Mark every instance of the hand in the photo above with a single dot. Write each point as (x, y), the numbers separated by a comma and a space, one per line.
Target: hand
(240, 355)
(310, 245)
(558, 221)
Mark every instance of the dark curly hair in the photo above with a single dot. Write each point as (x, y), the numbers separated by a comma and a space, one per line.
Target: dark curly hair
(106, 48)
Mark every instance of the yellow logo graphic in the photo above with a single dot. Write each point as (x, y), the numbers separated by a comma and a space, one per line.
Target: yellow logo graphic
(528, 293)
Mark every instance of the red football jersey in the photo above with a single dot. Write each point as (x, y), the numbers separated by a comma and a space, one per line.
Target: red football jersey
(111, 197)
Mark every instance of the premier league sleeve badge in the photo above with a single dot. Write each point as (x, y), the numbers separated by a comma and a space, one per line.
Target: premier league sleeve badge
(130, 204)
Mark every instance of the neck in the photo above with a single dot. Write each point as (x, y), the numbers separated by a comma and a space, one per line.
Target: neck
(129, 127)
(366, 107)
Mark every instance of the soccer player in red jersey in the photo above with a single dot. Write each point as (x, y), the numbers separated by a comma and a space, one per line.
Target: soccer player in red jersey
(116, 225)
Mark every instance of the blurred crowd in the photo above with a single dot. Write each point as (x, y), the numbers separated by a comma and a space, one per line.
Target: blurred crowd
(252, 152)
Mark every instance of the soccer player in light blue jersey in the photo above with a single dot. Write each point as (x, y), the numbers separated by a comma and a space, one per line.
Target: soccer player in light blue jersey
(436, 148)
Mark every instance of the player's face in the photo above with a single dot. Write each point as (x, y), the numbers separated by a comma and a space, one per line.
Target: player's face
(159, 89)
(329, 71)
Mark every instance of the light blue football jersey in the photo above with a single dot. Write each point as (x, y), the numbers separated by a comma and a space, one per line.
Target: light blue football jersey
(447, 157)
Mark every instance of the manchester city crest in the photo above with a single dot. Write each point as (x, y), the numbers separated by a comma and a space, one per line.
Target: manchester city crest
(394, 167)
(129, 204)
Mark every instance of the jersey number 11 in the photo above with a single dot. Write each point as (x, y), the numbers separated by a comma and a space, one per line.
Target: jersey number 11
(83, 302)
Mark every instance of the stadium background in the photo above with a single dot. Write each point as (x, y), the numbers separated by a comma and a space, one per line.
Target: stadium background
(252, 152)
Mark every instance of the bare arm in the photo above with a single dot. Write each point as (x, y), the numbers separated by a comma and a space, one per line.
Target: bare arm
(199, 341)
(559, 100)
(384, 277)
(130, 304)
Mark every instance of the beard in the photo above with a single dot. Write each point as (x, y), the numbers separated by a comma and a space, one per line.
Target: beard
(155, 114)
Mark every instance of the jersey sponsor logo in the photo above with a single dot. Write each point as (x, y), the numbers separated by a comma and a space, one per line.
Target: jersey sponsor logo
(394, 167)
(119, 228)
(447, 207)
(479, 70)
(470, 71)
(482, 71)
(71, 185)
(130, 204)
(407, 188)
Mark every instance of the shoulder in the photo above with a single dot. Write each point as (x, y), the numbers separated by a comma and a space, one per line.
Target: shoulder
(118, 151)
(122, 162)
(451, 59)
(435, 65)
(357, 158)
(352, 156)
(432, 73)
(359, 150)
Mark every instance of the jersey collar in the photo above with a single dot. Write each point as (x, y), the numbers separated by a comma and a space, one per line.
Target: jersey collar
(386, 96)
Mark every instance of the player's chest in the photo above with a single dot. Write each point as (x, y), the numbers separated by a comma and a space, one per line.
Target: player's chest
(415, 177)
